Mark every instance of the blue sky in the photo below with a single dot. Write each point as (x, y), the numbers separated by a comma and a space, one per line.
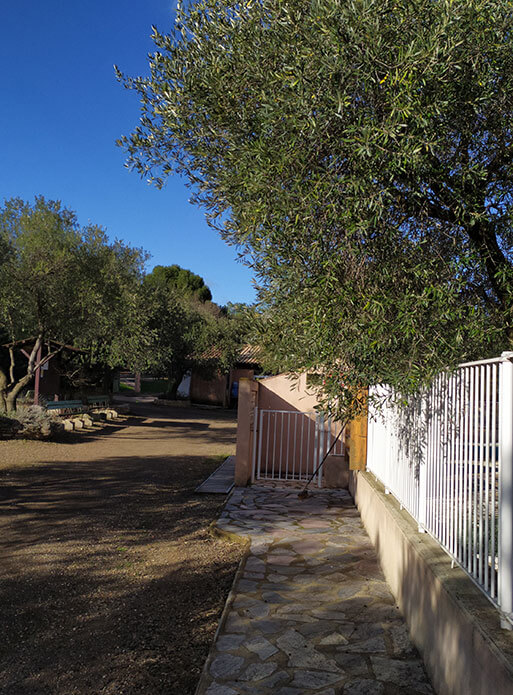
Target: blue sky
(61, 111)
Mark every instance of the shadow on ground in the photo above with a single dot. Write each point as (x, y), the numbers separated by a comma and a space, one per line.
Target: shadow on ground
(110, 581)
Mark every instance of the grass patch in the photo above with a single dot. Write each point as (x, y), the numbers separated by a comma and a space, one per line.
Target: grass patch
(156, 386)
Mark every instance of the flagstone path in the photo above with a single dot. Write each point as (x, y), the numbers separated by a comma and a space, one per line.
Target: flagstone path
(310, 611)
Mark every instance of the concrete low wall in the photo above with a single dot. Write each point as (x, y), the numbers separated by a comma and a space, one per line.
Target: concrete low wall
(454, 626)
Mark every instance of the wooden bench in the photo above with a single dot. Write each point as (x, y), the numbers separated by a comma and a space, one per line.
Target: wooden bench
(66, 406)
(98, 401)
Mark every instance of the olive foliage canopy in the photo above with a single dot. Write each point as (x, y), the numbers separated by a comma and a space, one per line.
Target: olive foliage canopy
(360, 156)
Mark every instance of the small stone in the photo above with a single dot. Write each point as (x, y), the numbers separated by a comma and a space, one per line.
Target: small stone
(274, 597)
(302, 654)
(401, 643)
(217, 689)
(294, 569)
(258, 610)
(254, 564)
(255, 672)
(349, 590)
(326, 614)
(267, 626)
(299, 608)
(281, 559)
(364, 686)
(314, 679)
(226, 666)
(378, 589)
(277, 578)
(335, 639)
(276, 679)
(235, 623)
(405, 673)
(261, 646)
(314, 524)
(365, 631)
(296, 617)
(353, 664)
(247, 586)
(226, 643)
(371, 646)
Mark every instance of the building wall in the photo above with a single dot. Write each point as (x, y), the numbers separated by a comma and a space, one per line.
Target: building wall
(49, 381)
(282, 393)
(210, 391)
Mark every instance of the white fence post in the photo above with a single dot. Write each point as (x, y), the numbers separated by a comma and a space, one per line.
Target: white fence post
(422, 433)
(254, 452)
(506, 488)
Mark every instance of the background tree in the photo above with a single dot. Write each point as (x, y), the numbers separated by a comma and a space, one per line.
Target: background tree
(186, 283)
(361, 155)
(63, 283)
(183, 326)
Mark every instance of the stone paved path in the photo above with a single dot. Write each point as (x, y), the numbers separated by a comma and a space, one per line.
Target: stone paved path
(311, 611)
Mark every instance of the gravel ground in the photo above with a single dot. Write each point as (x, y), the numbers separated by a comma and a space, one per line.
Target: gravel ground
(110, 582)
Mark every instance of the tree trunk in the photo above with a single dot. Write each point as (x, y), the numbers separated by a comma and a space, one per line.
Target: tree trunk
(13, 394)
(107, 380)
(3, 391)
(174, 382)
(9, 391)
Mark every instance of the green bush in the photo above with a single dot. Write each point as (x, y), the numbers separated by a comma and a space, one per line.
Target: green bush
(36, 423)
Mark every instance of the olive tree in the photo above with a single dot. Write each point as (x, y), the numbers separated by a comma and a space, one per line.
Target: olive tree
(60, 282)
(360, 154)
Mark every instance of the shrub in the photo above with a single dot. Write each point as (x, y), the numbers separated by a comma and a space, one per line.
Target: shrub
(36, 423)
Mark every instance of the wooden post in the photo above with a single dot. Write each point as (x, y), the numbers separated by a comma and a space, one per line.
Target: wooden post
(358, 439)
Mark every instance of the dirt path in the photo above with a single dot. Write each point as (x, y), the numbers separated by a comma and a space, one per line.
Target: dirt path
(110, 583)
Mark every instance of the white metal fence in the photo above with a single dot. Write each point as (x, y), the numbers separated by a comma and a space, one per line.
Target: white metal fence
(290, 445)
(447, 456)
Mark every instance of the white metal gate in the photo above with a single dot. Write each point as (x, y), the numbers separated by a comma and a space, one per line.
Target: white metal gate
(290, 445)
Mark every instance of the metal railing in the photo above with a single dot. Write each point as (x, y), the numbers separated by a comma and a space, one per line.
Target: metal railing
(290, 445)
(447, 456)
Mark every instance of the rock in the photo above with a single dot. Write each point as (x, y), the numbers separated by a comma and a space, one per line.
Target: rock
(314, 679)
(334, 640)
(226, 666)
(261, 646)
(217, 689)
(255, 672)
(364, 686)
(407, 674)
(226, 643)
(303, 655)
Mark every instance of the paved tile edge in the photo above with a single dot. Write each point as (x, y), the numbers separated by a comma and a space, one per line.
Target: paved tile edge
(203, 682)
